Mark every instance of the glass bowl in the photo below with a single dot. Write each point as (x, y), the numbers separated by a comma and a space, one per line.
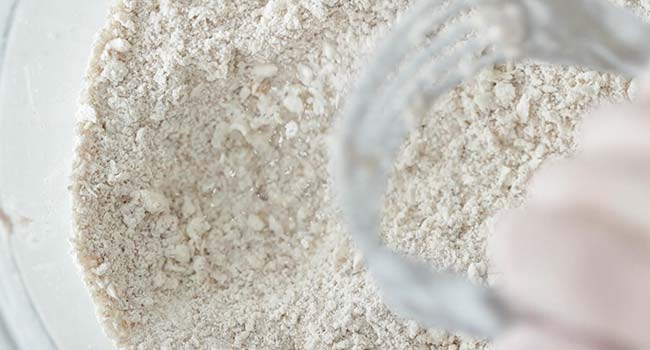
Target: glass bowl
(44, 50)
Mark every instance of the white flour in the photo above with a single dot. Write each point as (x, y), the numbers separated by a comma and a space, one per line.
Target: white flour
(203, 210)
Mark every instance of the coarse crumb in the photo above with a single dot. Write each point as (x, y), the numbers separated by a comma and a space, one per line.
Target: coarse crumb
(203, 212)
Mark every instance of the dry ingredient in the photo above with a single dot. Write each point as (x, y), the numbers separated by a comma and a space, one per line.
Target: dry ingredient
(204, 217)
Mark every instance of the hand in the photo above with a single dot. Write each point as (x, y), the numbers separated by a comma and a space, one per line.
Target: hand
(576, 259)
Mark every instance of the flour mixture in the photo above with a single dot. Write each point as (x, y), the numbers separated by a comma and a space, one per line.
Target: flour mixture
(204, 214)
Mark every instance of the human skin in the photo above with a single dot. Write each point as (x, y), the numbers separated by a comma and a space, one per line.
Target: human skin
(576, 259)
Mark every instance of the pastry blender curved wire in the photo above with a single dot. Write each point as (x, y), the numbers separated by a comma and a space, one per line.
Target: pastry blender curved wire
(433, 48)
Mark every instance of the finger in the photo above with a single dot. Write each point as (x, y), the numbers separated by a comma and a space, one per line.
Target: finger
(620, 129)
(577, 268)
(530, 337)
(614, 186)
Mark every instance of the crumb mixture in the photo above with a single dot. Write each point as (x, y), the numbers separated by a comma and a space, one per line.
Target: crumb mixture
(204, 217)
